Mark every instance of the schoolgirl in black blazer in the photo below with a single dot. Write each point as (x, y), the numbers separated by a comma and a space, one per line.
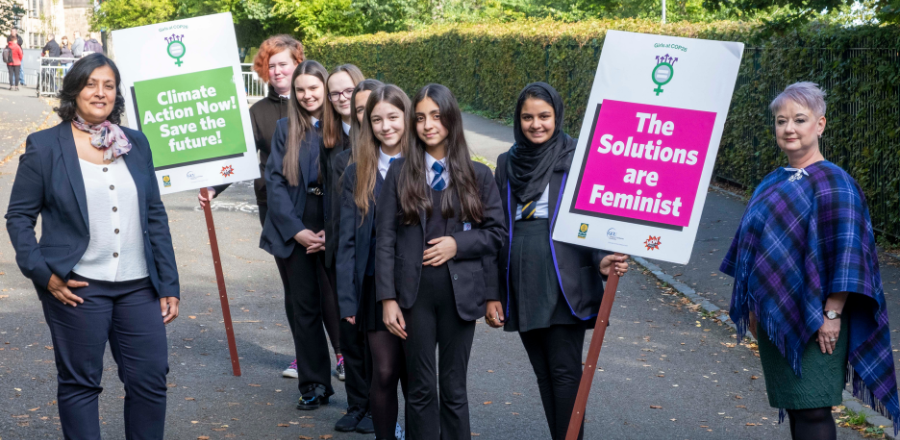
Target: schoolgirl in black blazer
(294, 228)
(439, 228)
(550, 291)
(382, 138)
(348, 346)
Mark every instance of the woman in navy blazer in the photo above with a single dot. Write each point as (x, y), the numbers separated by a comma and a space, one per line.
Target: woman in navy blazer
(294, 230)
(550, 291)
(104, 267)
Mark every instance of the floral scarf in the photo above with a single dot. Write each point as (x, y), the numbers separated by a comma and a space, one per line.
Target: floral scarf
(105, 136)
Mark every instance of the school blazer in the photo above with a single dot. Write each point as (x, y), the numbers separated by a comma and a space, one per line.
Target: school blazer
(49, 184)
(286, 202)
(331, 175)
(355, 238)
(577, 267)
(399, 248)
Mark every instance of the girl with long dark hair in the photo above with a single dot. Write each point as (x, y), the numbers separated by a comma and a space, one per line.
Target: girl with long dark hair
(383, 138)
(550, 291)
(294, 228)
(439, 228)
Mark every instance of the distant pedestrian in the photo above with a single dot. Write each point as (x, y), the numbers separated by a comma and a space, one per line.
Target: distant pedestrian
(66, 52)
(92, 46)
(77, 45)
(807, 282)
(104, 268)
(51, 49)
(12, 56)
(15, 33)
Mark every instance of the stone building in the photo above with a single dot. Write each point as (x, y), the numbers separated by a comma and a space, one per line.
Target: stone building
(58, 17)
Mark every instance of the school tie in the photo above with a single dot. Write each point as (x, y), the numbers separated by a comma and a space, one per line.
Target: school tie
(528, 210)
(392, 160)
(318, 124)
(438, 181)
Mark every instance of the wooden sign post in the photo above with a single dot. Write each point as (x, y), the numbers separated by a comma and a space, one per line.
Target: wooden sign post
(220, 280)
(590, 365)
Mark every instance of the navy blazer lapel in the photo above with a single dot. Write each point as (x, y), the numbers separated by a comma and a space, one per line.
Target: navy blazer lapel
(555, 183)
(305, 168)
(137, 175)
(73, 167)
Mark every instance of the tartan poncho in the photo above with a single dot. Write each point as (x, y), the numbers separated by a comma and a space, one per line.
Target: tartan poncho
(802, 238)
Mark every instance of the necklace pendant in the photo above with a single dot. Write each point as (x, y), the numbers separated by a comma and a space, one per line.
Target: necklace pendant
(797, 176)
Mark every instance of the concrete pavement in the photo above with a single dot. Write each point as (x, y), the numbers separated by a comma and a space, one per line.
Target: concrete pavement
(659, 352)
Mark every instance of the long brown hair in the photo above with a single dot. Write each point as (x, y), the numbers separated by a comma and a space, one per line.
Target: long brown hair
(331, 119)
(367, 148)
(414, 194)
(299, 121)
(366, 85)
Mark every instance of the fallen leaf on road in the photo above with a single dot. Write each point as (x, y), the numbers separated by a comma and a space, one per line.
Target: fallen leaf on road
(307, 425)
(284, 425)
(488, 402)
(189, 398)
(740, 406)
(203, 437)
(303, 437)
(738, 397)
(255, 385)
(655, 406)
(673, 419)
(704, 426)
(754, 377)
(490, 371)
(326, 436)
(751, 424)
(34, 409)
(192, 317)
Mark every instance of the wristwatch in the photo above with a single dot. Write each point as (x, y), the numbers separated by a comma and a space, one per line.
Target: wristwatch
(831, 314)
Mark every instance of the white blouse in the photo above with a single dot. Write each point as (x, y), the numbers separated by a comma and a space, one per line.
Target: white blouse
(115, 251)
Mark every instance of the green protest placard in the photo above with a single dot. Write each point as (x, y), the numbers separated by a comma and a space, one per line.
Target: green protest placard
(190, 118)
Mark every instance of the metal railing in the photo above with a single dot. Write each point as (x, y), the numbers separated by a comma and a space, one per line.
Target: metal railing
(253, 84)
(50, 76)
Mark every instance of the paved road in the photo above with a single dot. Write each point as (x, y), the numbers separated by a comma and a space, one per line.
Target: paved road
(658, 352)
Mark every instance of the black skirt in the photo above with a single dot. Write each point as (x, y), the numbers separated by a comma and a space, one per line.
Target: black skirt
(372, 310)
(536, 300)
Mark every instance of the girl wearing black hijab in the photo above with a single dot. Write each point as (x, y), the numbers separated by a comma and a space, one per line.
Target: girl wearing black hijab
(550, 291)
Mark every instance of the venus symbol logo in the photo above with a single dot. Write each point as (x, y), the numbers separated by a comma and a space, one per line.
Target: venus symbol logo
(176, 48)
(663, 71)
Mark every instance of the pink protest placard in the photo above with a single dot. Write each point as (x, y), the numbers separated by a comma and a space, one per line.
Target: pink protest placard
(643, 164)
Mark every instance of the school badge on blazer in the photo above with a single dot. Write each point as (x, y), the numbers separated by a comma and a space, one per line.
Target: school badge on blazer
(582, 231)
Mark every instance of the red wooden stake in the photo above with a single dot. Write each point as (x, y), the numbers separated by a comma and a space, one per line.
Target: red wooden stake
(220, 280)
(590, 365)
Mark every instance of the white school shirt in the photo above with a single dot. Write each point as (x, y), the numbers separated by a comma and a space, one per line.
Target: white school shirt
(429, 172)
(115, 251)
(384, 162)
(346, 127)
(542, 209)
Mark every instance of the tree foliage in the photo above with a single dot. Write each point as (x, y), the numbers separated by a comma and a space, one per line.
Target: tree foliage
(9, 9)
(121, 14)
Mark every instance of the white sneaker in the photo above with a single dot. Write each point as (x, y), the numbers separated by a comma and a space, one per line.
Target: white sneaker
(291, 370)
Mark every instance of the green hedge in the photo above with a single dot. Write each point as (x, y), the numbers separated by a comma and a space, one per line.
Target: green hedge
(487, 65)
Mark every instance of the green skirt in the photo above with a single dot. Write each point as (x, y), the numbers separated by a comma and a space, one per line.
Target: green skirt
(823, 378)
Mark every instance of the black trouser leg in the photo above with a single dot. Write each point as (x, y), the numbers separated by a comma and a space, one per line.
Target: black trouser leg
(288, 304)
(388, 366)
(355, 351)
(331, 315)
(310, 345)
(555, 354)
(812, 424)
(433, 322)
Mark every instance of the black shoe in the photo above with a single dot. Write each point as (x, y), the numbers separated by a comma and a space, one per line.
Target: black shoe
(350, 420)
(366, 426)
(312, 399)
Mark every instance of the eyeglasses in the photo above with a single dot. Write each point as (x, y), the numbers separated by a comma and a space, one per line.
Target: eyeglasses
(346, 93)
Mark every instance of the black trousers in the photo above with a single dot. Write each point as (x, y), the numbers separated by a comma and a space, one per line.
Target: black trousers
(125, 314)
(434, 322)
(357, 364)
(303, 304)
(13, 75)
(555, 355)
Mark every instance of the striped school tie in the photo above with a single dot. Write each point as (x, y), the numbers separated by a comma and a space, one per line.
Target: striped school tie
(392, 160)
(438, 182)
(528, 210)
